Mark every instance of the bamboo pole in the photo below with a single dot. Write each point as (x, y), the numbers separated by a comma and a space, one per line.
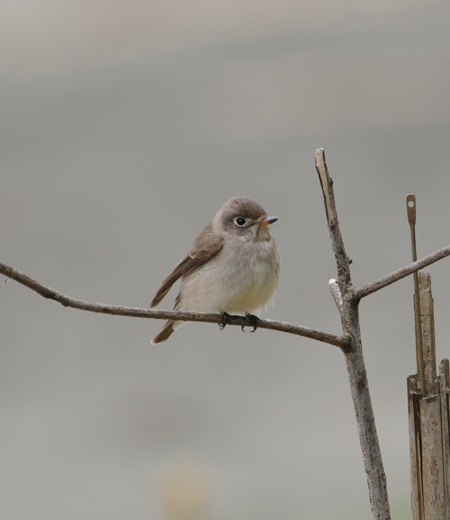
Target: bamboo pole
(415, 448)
(428, 406)
(444, 383)
(427, 336)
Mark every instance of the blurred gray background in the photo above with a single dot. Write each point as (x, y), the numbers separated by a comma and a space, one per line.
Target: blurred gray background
(124, 126)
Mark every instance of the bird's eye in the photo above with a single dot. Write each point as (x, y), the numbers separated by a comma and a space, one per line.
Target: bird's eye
(240, 221)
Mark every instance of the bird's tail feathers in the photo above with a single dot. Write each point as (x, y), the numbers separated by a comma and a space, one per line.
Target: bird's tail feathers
(167, 331)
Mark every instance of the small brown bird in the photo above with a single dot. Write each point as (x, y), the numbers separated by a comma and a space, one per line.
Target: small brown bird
(233, 267)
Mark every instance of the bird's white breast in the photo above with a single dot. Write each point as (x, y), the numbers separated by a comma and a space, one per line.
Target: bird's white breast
(241, 278)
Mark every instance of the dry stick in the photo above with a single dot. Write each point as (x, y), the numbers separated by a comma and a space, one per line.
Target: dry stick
(411, 211)
(376, 478)
(243, 321)
(403, 272)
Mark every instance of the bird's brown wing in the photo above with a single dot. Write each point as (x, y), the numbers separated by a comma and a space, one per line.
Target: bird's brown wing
(206, 246)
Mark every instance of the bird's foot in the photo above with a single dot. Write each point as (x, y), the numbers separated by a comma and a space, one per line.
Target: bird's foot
(253, 322)
(225, 320)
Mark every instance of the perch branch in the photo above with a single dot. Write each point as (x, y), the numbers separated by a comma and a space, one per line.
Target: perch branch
(243, 321)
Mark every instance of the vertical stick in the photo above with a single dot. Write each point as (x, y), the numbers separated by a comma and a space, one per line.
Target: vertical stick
(432, 467)
(430, 408)
(411, 210)
(415, 449)
(426, 312)
(349, 309)
(444, 382)
(428, 420)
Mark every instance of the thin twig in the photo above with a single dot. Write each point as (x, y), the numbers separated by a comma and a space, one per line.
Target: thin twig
(370, 288)
(337, 243)
(116, 310)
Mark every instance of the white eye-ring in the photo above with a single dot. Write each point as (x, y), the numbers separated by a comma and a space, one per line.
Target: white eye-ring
(240, 221)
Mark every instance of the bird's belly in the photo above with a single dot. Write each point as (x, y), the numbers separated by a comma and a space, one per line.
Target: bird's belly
(232, 283)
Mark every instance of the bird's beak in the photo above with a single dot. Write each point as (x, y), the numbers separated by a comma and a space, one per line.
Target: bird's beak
(265, 221)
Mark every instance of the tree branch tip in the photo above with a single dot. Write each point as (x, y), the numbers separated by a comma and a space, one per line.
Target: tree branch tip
(319, 151)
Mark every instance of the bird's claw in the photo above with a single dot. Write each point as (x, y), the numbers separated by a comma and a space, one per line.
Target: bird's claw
(252, 319)
(225, 320)
(253, 322)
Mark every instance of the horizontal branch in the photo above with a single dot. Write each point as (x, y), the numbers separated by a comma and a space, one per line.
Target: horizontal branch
(370, 288)
(116, 310)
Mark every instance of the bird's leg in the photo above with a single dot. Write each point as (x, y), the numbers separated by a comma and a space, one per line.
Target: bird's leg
(225, 320)
(253, 322)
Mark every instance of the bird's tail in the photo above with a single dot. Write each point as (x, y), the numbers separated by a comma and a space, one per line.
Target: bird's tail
(167, 331)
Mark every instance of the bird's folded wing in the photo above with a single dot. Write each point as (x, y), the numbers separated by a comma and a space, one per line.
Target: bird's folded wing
(201, 253)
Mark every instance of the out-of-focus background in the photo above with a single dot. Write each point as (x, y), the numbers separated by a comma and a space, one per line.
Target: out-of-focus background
(124, 126)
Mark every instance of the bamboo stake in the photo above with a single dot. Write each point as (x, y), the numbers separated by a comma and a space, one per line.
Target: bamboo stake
(444, 382)
(432, 468)
(411, 210)
(427, 352)
(428, 421)
(415, 449)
